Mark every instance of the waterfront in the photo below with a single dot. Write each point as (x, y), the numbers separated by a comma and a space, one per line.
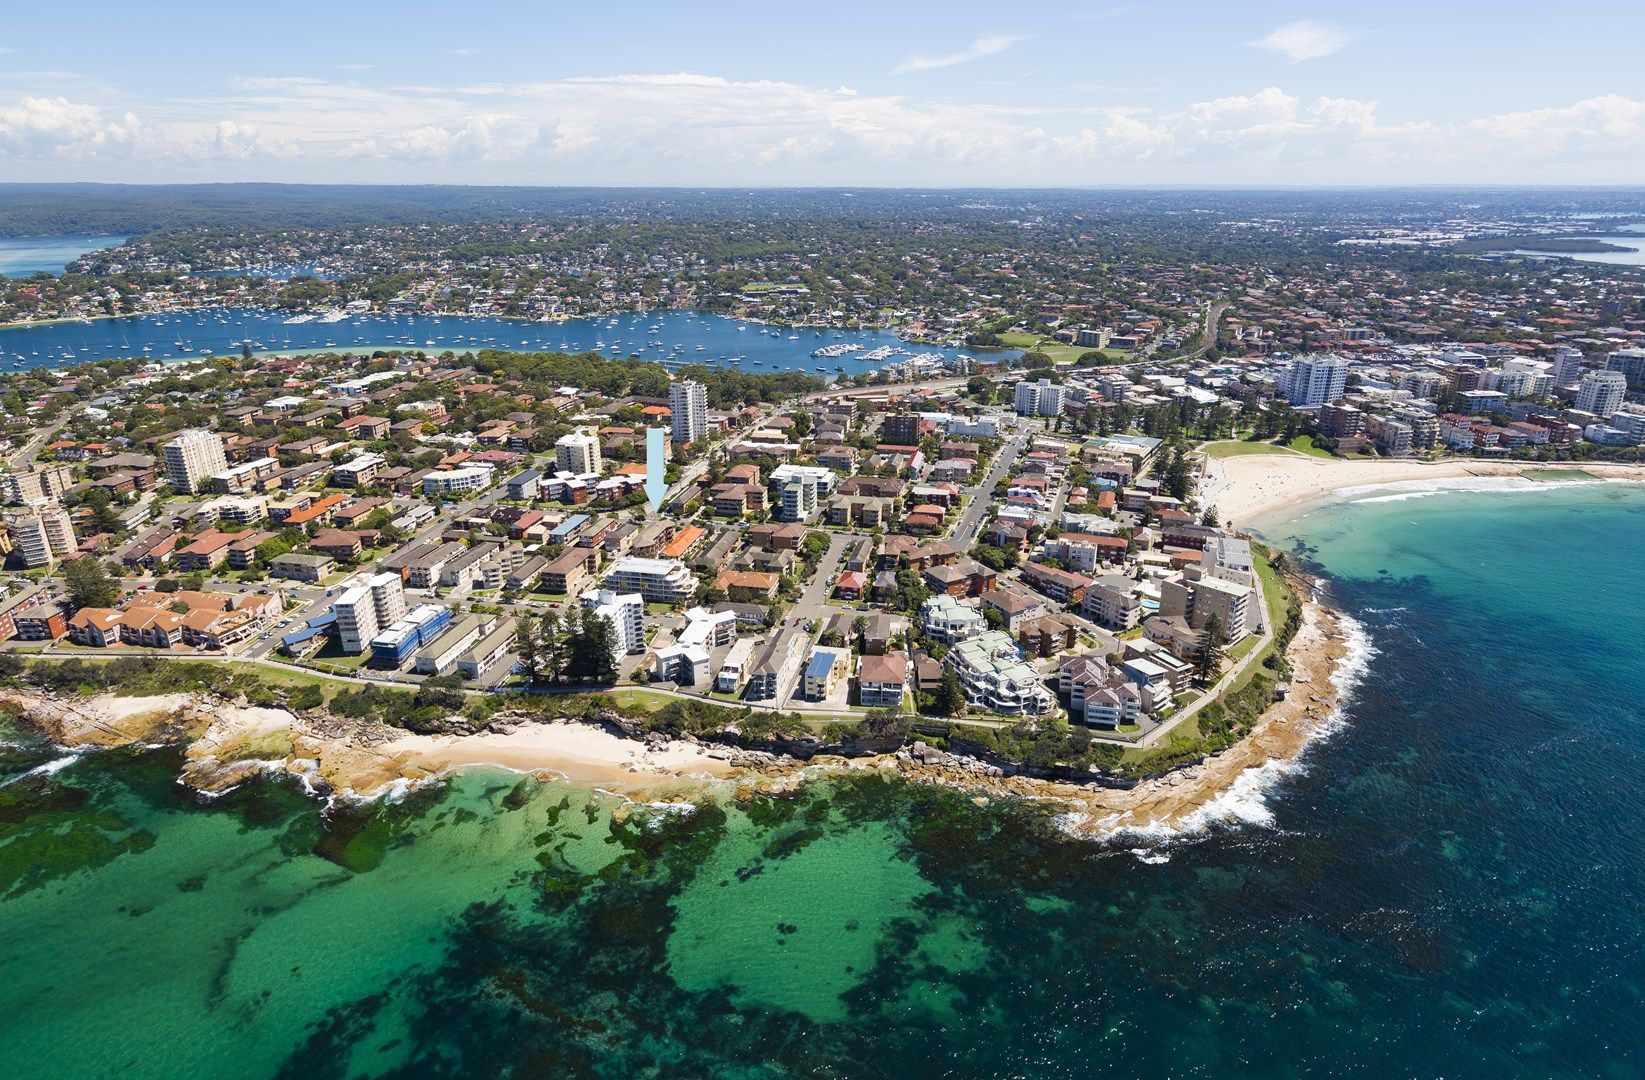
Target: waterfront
(675, 337)
(1450, 878)
(1630, 237)
(24, 256)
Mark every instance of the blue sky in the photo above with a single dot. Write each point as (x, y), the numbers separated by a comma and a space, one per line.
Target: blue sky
(843, 93)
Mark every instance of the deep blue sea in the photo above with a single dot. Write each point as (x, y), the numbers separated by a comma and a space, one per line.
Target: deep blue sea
(677, 337)
(1450, 885)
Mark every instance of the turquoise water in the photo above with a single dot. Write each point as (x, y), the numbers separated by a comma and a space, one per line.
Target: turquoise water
(22, 256)
(672, 337)
(1449, 885)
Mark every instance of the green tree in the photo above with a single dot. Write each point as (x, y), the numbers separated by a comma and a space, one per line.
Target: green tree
(90, 584)
(526, 647)
(590, 650)
(1208, 661)
(551, 642)
(950, 696)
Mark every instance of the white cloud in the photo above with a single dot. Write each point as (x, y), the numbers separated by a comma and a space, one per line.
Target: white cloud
(240, 142)
(1305, 40)
(691, 128)
(987, 45)
(467, 50)
(40, 127)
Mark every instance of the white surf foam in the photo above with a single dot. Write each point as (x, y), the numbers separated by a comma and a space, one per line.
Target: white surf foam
(1245, 803)
(50, 768)
(1401, 490)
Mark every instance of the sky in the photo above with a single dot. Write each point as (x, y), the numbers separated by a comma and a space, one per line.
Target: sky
(843, 93)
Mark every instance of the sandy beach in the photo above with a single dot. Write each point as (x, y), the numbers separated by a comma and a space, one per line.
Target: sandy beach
(1250, 486)
(229, 743)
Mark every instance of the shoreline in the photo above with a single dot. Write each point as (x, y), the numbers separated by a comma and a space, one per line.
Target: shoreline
(229, 743)
(1253, 486)
(1327, 657)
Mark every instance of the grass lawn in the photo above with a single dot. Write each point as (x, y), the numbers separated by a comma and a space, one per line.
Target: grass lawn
(644, 700)
(1304, 444)
(333, 659)
(1056, 350)
(1228, 448)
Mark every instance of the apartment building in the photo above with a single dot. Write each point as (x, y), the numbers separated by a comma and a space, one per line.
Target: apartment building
(950, 620)
(688, 402)
(38, 483)
(626, 612)
(193, 458)
(365, 608)
(1315, 379)
(882, 680)
(665, 581)
(42, 534)
(996, 678)
(578, 453)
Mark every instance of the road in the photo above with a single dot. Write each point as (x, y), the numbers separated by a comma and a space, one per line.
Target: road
(981, 495)
(1228, 679)
(39, 439)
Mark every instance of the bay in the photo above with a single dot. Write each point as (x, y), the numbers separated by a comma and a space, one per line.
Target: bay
(673, 337)
(23, 256)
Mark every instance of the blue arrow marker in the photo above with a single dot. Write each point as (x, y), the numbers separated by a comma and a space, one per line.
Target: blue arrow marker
(656, 484)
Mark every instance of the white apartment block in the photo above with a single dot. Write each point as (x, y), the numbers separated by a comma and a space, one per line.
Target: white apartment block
(688, 401)
(192, 458)
(1316, 379)
(627, 614)
(995, 677)
(578, 453)
(473, 477)
(799, 490)
(663, 581)
(1043, 398)
(950, 620)
(366, 607)
(1601, 392)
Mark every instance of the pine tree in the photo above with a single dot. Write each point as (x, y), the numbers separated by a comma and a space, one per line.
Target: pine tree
(1208, 662)
(950, 696)
(589, 650)
(549, 643)
(90, 584)
(526, 645)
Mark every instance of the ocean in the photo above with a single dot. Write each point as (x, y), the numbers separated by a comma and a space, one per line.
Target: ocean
(1449, 884)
